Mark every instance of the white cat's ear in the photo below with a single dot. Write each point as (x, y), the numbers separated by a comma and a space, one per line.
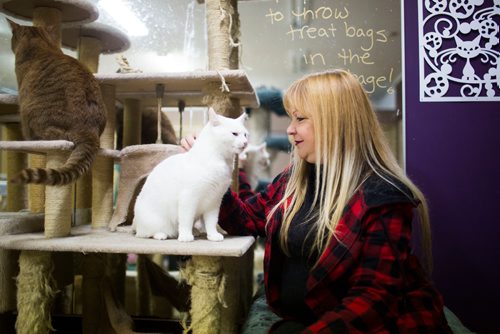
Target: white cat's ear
(213, 118)
(262, 146)
(243, 117)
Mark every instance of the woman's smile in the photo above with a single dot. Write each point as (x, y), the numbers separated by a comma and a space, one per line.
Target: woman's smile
(301, 134)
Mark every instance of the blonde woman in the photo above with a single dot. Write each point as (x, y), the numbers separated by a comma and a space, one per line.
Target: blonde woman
(338, 222)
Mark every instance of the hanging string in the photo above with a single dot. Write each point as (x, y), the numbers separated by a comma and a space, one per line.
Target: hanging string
(224, 87)
(231, 40)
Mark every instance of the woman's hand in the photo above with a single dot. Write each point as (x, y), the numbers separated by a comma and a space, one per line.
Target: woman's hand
(188, 142)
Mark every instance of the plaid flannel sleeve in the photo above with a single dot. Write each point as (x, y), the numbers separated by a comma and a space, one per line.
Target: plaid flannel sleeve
(376, 277)
(248, 215)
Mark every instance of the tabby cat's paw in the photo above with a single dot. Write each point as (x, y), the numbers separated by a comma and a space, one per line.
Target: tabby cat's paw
(185, 237)
(160, 236)
(215, 236)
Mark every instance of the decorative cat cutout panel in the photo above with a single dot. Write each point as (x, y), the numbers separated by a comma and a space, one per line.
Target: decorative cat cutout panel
(459, 50)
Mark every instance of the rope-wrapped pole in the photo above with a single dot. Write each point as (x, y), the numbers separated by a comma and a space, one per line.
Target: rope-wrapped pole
(223, 34)
(35, 293)
(58, 201)
(205, 275)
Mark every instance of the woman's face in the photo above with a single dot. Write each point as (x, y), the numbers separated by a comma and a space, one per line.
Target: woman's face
(301, 134)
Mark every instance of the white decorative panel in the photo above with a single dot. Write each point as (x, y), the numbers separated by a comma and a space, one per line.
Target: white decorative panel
(459, 50)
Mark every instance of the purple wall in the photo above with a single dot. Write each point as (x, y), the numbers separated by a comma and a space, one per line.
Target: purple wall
(453, 155)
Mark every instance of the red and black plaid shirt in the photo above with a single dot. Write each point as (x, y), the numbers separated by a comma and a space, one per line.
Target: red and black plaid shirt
(367, 281)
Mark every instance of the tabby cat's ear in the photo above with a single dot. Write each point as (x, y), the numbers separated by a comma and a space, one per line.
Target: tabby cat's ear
(213, 117)
(12, 24)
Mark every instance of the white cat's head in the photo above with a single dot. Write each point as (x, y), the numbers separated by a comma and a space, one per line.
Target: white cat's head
(257, 153)
(229, 132)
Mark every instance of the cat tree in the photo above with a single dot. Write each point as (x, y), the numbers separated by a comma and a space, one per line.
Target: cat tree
(34, 264)
(215, 271)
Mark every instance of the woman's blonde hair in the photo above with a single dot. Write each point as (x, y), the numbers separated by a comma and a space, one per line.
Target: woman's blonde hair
(349, 146)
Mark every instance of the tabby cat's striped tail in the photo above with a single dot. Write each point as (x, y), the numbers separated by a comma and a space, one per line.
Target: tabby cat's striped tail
(78, 163)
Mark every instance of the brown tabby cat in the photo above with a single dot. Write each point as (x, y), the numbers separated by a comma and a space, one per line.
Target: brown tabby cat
(59, 99)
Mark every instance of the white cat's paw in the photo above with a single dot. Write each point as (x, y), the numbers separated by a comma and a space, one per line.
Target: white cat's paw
(160, 236)
(215, 236)
(185, 237)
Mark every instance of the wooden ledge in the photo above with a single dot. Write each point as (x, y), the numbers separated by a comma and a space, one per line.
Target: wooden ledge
(20, 222)
(186, 86)
(84, 239)
(45, 146)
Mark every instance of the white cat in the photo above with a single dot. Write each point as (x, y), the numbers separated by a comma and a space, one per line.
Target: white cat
(189, 186)
(255, 161)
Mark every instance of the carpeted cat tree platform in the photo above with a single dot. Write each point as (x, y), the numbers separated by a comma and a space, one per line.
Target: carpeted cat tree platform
(220, 273)
(34, 301)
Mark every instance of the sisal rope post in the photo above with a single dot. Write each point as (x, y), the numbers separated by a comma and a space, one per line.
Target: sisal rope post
(58, 201)
(88, 51)
(102, 170)
(36, 192)
(35, 293)
(205, 275)
(15, 162)
(218, 34)
(223, 34)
